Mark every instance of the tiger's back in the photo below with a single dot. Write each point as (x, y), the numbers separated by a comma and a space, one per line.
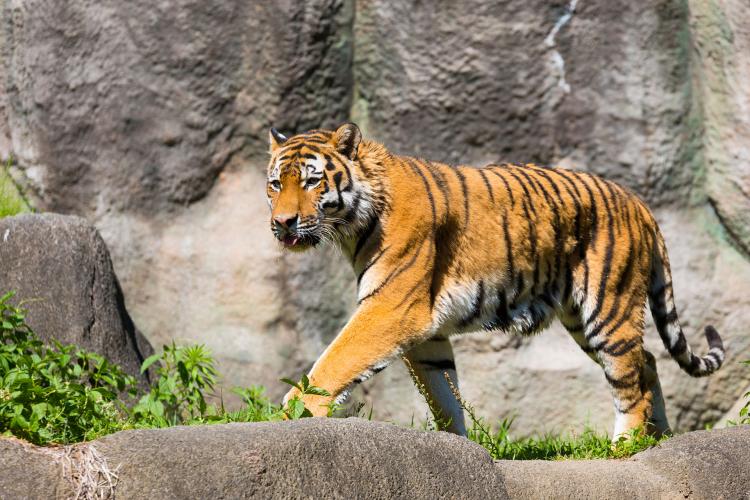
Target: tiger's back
(440, 250)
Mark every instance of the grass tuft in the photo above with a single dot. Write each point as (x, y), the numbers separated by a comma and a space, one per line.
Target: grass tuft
(12, 201)
(588, 445)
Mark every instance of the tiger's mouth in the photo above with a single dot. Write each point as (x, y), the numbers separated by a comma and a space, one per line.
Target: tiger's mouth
(298, 242)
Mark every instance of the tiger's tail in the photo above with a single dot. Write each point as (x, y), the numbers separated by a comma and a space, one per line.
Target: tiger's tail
(661, 300)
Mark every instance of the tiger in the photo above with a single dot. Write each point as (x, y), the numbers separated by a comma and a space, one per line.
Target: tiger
(439, 250)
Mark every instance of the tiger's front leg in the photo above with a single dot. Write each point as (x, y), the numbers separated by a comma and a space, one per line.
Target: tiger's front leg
(379, 332)
(432, 365)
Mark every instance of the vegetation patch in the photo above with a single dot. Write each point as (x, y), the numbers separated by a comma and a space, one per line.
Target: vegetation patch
(12, 201)
(64, 394)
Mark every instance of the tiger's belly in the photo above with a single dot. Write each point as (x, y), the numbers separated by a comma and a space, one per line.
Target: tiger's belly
(478, 306)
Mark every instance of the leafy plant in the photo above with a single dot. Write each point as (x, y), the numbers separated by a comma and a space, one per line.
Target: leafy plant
(12, 201)
(177, 397)
(295, 408)
(745, 410)
(54, 394)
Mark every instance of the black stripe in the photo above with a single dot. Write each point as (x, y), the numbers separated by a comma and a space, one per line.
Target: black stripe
(508, 248)
(502, 320)
(622, 280)
(393, 274)
(632, 405)
(487, 184)
(525, 189)
(415, 168)
(465, 191)
(352, 212)
(657, 294)
(370, 264)
(337, 181)
(520, 170)
(619, 347)
(592, 204)
(532, 240)
(439, 364)
(505, 182)
(607, 259)
(364, 236)
(553, 273)
(610, 317)
(439, 179)
(628, 380)
(349, 178)
(476, 308)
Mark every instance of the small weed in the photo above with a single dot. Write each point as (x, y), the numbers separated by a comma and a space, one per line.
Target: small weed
(745, 410)
(587, 445)
(11, 200)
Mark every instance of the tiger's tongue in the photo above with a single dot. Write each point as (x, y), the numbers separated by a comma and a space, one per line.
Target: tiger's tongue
(290, 240)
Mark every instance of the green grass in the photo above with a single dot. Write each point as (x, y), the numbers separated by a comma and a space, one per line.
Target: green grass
(587, 445)
(12, 201)
(64, 394)
(502, 446)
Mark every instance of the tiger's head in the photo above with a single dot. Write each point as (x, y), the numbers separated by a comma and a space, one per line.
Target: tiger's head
(311, 191)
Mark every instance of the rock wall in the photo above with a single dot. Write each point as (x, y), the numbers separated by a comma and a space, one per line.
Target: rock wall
(151, 121)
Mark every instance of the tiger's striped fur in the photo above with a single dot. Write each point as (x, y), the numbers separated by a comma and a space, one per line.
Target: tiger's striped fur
(439, 250)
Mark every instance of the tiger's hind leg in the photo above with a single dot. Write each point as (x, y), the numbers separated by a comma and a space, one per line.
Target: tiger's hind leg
(631, 380)
(429, 362)
(629, 369)
(659, 423)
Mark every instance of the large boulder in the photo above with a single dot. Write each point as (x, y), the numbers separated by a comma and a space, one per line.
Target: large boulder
(60, 269)
(352, 458)
(151, 122)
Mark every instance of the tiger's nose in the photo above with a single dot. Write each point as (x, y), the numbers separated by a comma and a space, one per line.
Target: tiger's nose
(284, 221)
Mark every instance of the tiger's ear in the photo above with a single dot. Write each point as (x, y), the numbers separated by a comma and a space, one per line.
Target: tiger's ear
(276, 140)
(347, 138)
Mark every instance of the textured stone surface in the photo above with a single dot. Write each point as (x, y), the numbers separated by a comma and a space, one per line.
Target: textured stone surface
(480, 84)
(722, 41)
(696, 465)
(353, 458)
(59, 266)
(151, 120)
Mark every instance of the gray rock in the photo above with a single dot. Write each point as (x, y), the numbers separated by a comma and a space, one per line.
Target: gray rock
(353, 458)
(60, 268)
(703, 464)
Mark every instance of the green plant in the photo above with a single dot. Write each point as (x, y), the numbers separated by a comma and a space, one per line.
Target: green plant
(587, 445)
(12, 201)
(295, 408)
(177, 397)
(745, 410)
(54, 394)
(64, 394)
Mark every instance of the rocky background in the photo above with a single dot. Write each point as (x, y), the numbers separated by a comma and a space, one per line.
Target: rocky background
(150, 121)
